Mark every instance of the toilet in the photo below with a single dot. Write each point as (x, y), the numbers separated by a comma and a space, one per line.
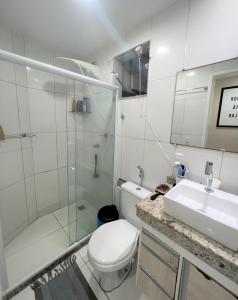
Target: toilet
(113, 246)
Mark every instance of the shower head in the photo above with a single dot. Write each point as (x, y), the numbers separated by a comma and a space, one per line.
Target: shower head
(139, 51)
(115, 74)
(90, 68)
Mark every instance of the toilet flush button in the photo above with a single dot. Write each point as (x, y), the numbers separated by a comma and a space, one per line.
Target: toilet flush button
(138, 189)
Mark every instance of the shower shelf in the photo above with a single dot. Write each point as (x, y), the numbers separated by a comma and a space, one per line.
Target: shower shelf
(18, 136)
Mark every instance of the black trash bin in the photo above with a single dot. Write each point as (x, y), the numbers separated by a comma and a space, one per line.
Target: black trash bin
(107, 214)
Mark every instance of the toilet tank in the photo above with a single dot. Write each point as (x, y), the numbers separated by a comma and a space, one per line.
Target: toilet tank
(131, 194)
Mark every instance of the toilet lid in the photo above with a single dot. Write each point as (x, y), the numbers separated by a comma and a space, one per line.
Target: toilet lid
(112, 242)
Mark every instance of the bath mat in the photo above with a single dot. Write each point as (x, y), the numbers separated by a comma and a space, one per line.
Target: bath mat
(65, 282)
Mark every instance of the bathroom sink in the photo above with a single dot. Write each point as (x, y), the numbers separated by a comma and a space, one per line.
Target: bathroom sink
(215, 214)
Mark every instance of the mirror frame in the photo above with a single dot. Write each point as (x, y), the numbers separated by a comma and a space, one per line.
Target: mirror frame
(210, 90)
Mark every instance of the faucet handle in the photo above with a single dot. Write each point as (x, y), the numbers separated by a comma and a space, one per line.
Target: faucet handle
(209, 168)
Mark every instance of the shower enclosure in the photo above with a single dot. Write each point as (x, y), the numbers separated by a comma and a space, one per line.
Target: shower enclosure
(94, 160)
(56, 160)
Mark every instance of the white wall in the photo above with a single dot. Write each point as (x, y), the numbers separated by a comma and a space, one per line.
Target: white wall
(33, 173)
(188, 34)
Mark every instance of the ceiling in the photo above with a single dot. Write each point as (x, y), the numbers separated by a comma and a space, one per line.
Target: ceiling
(77, 27)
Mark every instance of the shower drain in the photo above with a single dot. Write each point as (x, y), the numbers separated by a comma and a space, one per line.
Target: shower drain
(81, 207)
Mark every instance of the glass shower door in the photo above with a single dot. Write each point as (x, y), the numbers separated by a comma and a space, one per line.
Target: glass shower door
(93, 152)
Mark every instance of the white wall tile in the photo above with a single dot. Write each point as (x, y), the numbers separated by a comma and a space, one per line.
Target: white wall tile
(40, 80)
(168, 41)
(24, 113)
(8, 112)
(71, 180)
(38, 51)
(31, 198)
(47, 194)
(140, 34)
(156, 166)
(10, 145)
(42, 111)
(44, 152)
(62, 149)
(133, 124)
(211, 36)
(176, 138)
(212, 32)
(195, 161)
(71, 148)
(28, 164)
(13, 210)
(21, 75)
(118, 157)
(189, 139)
(160, 108)
(6, 68)
(63, 187)
(132, 156)
(19, 48)
(60, 85)
(18, 44)
(11, 169)
(61, 112)
(229, 173)
(119, 120)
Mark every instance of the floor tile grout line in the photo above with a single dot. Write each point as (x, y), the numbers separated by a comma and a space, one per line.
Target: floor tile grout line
(58, 221)
(97, 281)
(30, 243)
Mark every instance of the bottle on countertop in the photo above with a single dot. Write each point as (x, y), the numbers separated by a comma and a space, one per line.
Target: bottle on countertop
(88, 104)
(84, 108)
(74, 105)
(2, 134)
(79, 106)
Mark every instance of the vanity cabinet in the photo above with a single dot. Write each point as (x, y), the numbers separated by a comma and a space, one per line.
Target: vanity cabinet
(157, 268)
(196, 285)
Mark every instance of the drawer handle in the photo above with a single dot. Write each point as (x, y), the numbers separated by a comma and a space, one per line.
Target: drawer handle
(204, 274)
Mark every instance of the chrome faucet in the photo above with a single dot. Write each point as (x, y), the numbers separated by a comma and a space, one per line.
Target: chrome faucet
(141, 174)
(209, 172)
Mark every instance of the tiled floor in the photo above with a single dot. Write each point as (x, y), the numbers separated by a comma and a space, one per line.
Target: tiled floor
(127, 290)
(38, 244)
(47, 238)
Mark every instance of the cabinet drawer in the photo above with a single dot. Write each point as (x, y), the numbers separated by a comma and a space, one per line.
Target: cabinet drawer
(200, 287)
(161, 273)
(162, 250)
(149, 287)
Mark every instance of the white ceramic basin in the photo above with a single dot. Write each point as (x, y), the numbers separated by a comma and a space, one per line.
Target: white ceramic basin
(215, 214)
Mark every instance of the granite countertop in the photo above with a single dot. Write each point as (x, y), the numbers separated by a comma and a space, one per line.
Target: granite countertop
(214, 254)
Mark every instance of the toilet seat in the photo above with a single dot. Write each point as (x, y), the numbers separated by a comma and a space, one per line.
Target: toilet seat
(112, 245)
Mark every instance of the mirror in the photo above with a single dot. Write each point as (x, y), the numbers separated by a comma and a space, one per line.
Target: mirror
(206, 107)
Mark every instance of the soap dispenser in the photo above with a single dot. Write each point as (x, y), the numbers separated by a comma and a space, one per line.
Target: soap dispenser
(181, 170)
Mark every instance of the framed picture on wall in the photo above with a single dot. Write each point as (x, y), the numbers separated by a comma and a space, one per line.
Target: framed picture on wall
(228, 107)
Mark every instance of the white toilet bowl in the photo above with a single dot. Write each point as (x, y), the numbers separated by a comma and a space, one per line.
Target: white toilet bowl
(111, 248)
